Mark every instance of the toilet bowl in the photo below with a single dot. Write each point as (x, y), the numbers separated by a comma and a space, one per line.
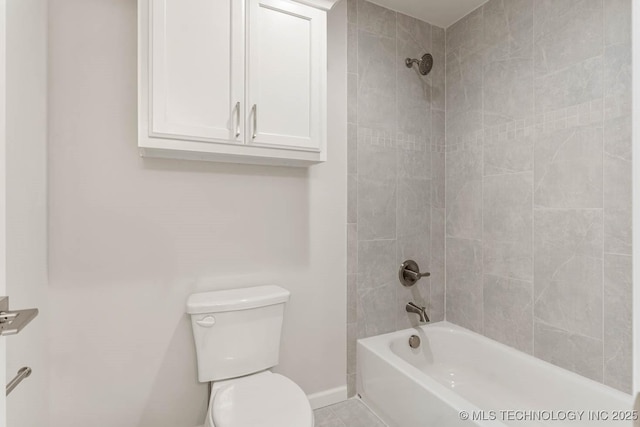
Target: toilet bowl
(260, 400)
(237, 339)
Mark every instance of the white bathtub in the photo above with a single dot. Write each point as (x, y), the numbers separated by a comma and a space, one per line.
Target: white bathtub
(457, 370)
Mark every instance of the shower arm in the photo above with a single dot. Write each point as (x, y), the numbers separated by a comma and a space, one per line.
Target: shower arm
(409, 62)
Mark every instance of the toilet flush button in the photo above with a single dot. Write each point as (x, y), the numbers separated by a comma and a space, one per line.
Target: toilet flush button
(207, 322)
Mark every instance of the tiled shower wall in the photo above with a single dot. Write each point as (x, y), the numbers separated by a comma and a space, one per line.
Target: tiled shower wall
(396, 170)
(538, 180)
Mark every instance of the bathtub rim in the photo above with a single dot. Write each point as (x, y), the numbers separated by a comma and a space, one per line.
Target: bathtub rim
(380, 345)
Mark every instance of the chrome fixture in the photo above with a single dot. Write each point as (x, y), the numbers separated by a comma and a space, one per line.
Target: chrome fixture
(12, 322)
(409, 273)
(414, 341)
(416, 309)
(424, 64)
(254, 111)
(22, 374)
(237, 109)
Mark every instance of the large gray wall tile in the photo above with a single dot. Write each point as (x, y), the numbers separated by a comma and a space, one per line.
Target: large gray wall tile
(377, 310)
(352, 336)
(414, 163)
(617, 72)
(618, 317)
(352, 101)
(508, 225)
(566, 32)
(574, 352)
(352, 198)
(352, 298)
(511, 259)
(352, 11)
(376, 263)
(464, 194)
(352, 48)
(437, 266)
(508, 311)
(617, 186)
(352, 248)
(466, 35)
(568, 270)
(508, 61)
(419, 32)
(507, 214)
(508, 29)
(504, 155)
(377, 169)
(568, 168)
(508, 91)
(414, 213)
(617, 21)
(464, 94)
(464, 283)
(576, 84)
(415, 247)
(438, 177)
(377, 67)
(436, 79)
(376, 19)
(352, 148)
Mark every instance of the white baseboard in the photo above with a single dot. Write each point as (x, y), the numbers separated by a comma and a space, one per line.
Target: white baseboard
(328, 397)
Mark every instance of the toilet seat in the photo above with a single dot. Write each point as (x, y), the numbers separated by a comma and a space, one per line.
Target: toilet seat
(261, 400)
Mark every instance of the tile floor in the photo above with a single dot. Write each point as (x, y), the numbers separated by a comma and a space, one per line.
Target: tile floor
(350, 413)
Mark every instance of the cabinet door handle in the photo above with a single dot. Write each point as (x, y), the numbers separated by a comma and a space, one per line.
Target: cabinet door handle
(237, 119)
(254, 111)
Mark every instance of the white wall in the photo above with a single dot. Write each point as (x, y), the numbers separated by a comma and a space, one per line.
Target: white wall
(131, 238)
(3, 141)
(26, 212)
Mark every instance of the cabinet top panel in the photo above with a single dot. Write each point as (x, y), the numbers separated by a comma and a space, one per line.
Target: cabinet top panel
(320, 4)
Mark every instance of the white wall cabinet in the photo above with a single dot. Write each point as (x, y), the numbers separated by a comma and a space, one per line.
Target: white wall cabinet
(233, 80)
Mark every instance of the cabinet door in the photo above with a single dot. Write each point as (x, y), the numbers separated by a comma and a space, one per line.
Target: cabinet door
(286, 75)
(197, 70)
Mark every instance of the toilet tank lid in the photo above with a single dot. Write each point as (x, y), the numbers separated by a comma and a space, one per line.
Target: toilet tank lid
(236, 299)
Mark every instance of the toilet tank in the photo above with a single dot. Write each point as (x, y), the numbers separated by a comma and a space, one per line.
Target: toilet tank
(237, 331)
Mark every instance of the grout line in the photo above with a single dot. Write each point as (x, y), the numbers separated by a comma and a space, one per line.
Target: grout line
(545, 208)
(618, 254)
(429, 302)
(533, 196)
(397, 151)
(482, 188)
(603, 200)
(359, 399)
(444, 232)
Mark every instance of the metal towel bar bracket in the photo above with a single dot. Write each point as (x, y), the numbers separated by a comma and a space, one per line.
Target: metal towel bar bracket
(12, 322)
(22, 374)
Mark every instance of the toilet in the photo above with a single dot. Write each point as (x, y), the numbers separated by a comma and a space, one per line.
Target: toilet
(237, 337)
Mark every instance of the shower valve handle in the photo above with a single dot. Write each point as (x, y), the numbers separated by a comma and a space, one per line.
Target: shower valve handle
(409, 273)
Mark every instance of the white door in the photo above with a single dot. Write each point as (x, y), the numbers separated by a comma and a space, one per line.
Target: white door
(23, 201)
(197, 69)
(286, 75)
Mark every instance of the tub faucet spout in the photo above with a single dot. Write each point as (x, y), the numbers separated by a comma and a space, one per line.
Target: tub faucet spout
(421, 311)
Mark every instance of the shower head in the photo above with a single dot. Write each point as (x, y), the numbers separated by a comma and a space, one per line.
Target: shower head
(424, 64)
